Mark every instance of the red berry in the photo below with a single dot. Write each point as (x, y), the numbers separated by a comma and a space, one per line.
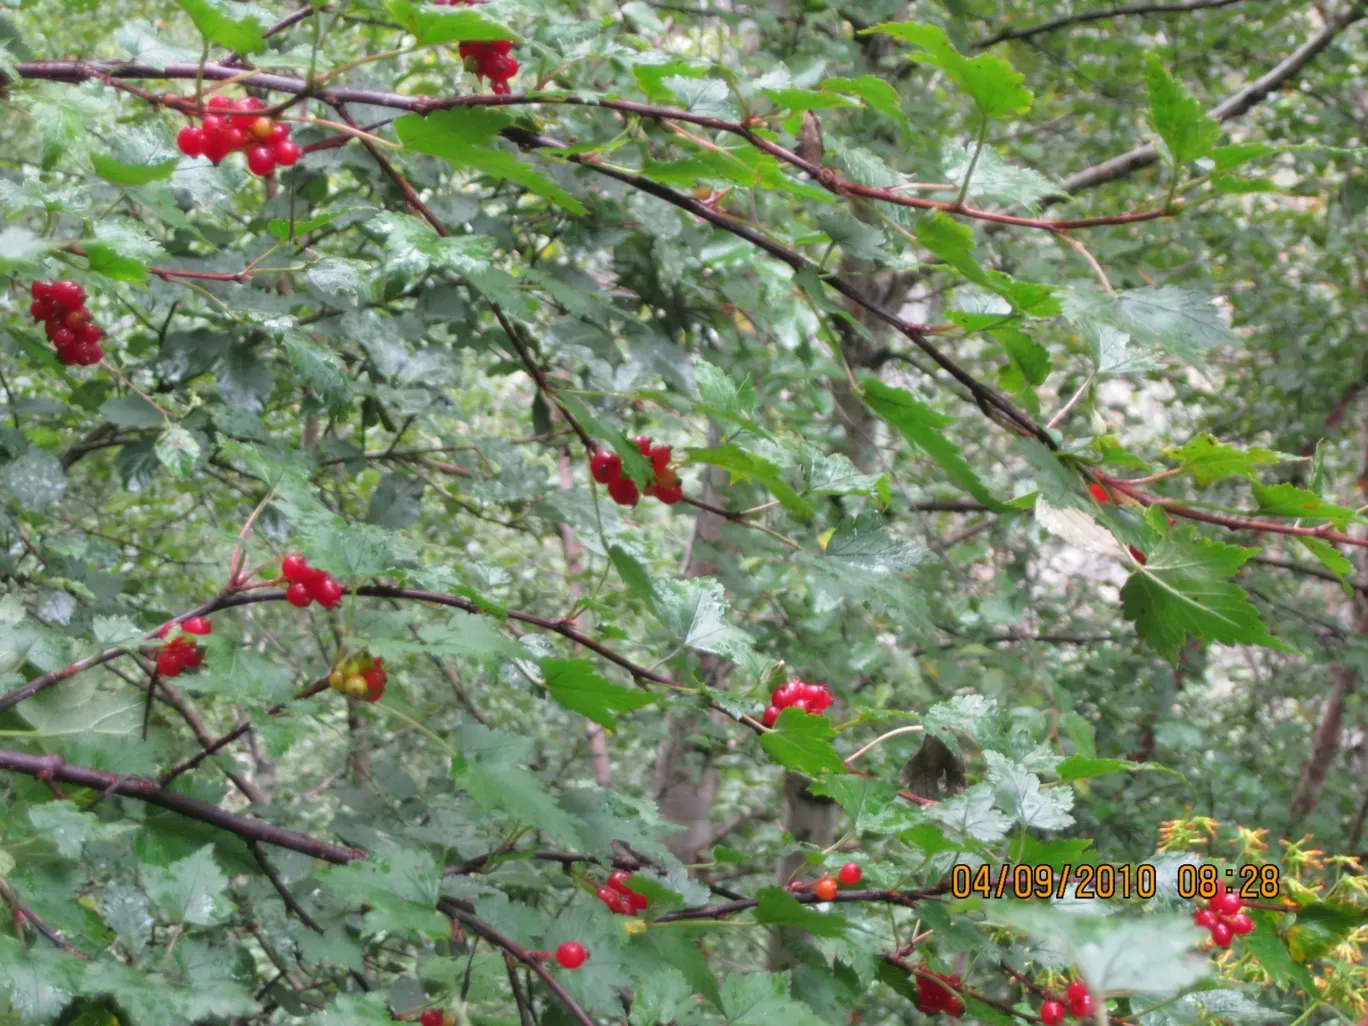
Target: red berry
(1205, 918)
(660, 457)
(197, 625)
(190, 140)
(571, 954)
(40, 289)
(1077, 991)
(608, 896)
(670, 494)
(500, 67)
(639, 901)
(826, 888)
(623, 491)
(770, 716)
(194, 657)
(212, 125)
(88, 355)
(64, 338)
(328, 592)
(293, 567)
(499, 88)
(298, 595)
(169, 662)
(643, 445)
(41, 309)
(1083, 1008)
(216, 148)
(1051, 1012)
(261, 161)
(1222, 934)
(286, 152)
(1227, 903)
(851, 873)
(618, 880)
(432, 1017)
(1098, 492)
(605, 466)
(68, 293)
(89, 333)
(217, 102)
(1240, 924)
(622, 905)
(803, 704)
(1136, 554)
(280, 130)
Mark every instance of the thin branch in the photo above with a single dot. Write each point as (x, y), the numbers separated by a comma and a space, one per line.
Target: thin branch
(208, 750)
(284, 892)
(54, 767)
(454, 909)
(23, 914)
(1085, 16)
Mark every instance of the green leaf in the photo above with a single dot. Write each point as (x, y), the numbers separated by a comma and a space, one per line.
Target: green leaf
(1209, 459)
(1331, 558)
(923, 427)
(695, 612)
(433, 25)
(489, 767)
(720, 395)
(1189, 133)
(576, 685)
(995, 178)
(777, 907)
(762, 999)
(460, 136)
(875, 91)
(862, 545)
(971, 814)
(1019, 793)
(706, 96)
(80, 709)
(745, 466)
(178, 450)
(35, 480)
(466, 634)
(131, 411)
(1272, 955)
(1182, 591)
(132, 174)
(233, 26)
(1078, 767)
(1286, 500)
(807, 99)
(799, 741)
(191, 890)
(1177, 319)
(1321, 926)
(996, 87)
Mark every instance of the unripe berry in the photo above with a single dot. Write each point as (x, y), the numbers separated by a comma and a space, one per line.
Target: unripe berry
(356, 686)
(826, 888)
(261, 128)
(571, 954)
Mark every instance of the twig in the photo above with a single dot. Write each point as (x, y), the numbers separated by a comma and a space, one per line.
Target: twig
(281, 889)
(190, 763)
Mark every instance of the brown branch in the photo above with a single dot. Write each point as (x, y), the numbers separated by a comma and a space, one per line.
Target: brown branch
(455, 910)
(207, 751)
(907, 899)
(23, 914)
(1086, 16)
(54, 767)
(169, 273)
(1232, 107)
(284, 892)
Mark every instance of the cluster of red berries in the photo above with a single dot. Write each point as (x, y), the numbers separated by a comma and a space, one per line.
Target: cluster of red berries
(236, 125)
(827, 887)
(1222, 916)
(620, 898)
(492, 59)
(308, 584)
(180, 653)
(934, 996)
(362, 676)
(61, 306)
(1080, 1005)
(811, 698)
(606, 468)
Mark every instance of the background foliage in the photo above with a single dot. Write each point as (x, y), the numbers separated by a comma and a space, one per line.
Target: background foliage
(1011, 357)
